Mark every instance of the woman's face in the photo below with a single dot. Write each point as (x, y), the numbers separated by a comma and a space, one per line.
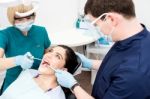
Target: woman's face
(55, 58)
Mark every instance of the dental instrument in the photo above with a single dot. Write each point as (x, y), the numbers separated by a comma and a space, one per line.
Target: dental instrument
(31, 57)
(53, 68)
(37, 59)
(49, 65)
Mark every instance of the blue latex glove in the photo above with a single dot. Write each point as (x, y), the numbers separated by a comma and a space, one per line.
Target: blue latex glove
(25, 61)
(87, 63)
(65, 79)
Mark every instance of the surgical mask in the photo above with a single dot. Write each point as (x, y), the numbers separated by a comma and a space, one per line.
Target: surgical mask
(25, 27)
(109, 36)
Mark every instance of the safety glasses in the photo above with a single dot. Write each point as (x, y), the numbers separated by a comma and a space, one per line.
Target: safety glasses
(102, 17)
(26, 17)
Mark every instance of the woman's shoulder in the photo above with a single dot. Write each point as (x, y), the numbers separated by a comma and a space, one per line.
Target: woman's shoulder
(28, 73)
(32, 72)
(56, 93)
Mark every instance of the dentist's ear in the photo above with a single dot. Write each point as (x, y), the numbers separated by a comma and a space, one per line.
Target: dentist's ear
(113, 18)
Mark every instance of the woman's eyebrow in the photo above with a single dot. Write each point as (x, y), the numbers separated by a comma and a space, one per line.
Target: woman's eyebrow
(50, 50)
(60, 55)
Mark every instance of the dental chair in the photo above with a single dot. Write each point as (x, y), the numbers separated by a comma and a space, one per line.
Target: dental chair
(68, 93)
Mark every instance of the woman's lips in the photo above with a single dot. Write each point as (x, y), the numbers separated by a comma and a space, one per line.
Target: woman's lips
(45, 63)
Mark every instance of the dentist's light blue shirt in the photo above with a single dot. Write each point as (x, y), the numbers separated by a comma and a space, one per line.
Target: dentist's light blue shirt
(15, 43)
(125, 71)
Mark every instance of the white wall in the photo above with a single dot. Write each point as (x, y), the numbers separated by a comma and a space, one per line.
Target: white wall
(3, 19)
(55, 15)
(142, 11)
(3, 14)
(59, 15)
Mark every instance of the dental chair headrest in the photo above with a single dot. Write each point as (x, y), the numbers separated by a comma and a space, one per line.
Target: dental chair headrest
(77, 69)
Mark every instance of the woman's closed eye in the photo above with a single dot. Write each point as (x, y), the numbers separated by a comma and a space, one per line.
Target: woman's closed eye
(58, 56)
(50, 50)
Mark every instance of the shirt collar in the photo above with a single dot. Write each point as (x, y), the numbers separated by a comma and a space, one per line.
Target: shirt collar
(121, 45)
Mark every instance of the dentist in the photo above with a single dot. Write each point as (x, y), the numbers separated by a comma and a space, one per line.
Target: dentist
(20, 38)
(125, 70)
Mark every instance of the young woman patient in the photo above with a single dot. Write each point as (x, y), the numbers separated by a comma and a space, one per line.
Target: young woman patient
(42, 83)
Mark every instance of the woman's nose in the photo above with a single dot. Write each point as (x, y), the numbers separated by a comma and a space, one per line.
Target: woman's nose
(50, 55)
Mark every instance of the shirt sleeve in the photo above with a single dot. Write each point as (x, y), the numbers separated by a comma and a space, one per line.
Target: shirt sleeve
(3, 40)
(124, 86)
(47, 41)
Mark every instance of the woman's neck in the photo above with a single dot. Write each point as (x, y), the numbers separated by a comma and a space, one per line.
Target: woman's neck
(46, 82)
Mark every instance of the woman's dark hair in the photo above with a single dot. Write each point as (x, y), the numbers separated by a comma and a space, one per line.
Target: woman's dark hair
(71, 63)
(71, 59)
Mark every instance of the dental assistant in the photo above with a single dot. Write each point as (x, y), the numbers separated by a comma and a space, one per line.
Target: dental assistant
(20, 38)
(125, 70)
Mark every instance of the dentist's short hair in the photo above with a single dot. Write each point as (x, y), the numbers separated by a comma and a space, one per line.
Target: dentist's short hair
(21, 8)
(98, 7)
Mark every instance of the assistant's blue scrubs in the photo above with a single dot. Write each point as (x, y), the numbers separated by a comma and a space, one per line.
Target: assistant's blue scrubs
(15, 43)
(125, 71)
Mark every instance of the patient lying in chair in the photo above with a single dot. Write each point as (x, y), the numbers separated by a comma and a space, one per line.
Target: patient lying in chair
(42, 83)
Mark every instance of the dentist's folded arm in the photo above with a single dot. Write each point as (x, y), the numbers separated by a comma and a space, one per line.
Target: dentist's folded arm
(67, 80)
(22, 60)
(96, 64)
(80, 93)
(5, 63)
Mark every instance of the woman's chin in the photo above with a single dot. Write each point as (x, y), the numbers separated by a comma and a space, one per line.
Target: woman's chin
(46, 71)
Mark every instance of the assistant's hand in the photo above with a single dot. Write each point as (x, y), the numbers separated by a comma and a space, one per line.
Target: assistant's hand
(87, 63)
(65, 79)
(25, 61)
